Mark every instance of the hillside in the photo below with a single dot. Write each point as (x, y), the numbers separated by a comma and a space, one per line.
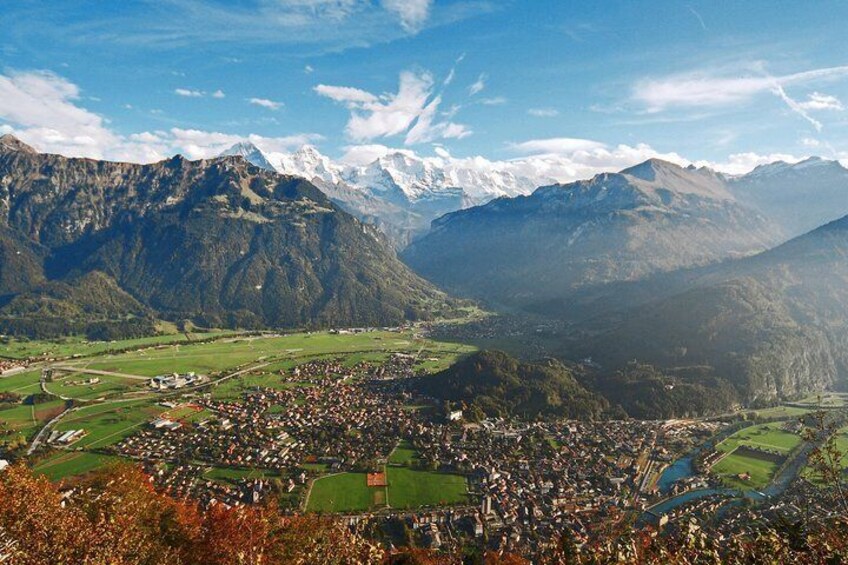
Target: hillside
(799, 197)
(651, 218)
(772, 325)
(220, 241)
(495, 384)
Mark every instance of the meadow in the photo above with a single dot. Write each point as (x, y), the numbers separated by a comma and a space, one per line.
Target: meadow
(761, 468)
(73, 463)
(107, 424)
(22, 384)
(78, 345)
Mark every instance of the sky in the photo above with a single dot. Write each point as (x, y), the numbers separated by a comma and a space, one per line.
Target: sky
(579, 87)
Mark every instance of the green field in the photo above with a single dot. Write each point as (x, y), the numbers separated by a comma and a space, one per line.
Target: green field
(841, 441)
(229, 353)
(344, 492)
(762, 470)
(348, 492)
(22, 384)
(403, 454)
(233, 475)
(109, 386)
(411, 489)
(107, 424)
(77, 345)
(74, 463)
(20, 422)
(825, 400)
(781, 412)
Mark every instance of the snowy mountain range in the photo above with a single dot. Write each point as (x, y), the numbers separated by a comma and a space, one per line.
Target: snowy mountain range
(400, 192)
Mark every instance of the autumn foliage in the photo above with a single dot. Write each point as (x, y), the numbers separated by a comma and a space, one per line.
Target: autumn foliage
(117, 518)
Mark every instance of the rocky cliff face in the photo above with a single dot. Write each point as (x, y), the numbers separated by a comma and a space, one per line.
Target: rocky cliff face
(219, 239)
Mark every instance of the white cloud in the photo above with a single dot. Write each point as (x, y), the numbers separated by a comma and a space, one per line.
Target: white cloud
(412, 13)
(818, 101)
(412, 111)
(42, 109)
(555, 145)
(543, 112)
(200, 144)
(478, 85)
(494, 101)
(358, 155)
(741, 163)
(308, 69)
(345, 94)
(218, 94)
(188, 92)
(266, 103)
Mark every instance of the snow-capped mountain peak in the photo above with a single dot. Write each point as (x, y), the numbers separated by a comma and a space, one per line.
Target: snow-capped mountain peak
(250, 153)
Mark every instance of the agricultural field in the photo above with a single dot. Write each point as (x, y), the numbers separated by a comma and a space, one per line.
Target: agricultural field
(73, 463)
(19, 422)
(107, 424)
(70, 385)
(825, 400)
(22, 384)
(841, 441)
(781, 412)
(281, 352)
(78, 345)
(760, 467)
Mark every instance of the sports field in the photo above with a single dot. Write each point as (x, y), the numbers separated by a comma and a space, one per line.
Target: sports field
(345, 492)
(410, 489)
(761, 468)
(403, 454)
(349, 492)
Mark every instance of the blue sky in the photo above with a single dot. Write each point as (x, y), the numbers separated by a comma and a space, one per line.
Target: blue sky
(598, 84)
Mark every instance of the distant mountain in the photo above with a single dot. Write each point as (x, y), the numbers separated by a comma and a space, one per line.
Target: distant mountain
(219, 241)
(654, 217)
(398, 192)
(772, 325)
(799, 197)
(492, 383)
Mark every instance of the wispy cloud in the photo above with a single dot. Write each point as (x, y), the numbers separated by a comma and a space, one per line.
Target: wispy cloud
(412, 13)
(698, 17)
(478, 85)
(188, 93)
(493, 101)
(219, 94)
(710, 89)
(543, 112)
(266, 103)
(818, 101)
(412, 111)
